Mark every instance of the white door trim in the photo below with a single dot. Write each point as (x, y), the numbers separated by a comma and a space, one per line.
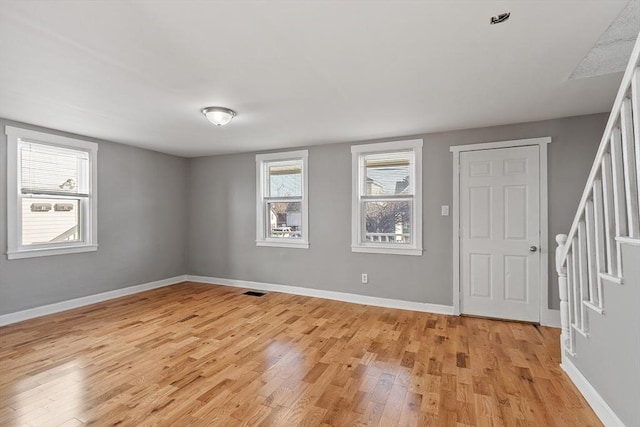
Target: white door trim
(545, 312)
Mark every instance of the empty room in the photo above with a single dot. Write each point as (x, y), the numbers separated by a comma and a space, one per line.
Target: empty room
(319, 213)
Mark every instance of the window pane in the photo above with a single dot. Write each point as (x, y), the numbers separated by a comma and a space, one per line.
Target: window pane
(285, 220)
(285, 179)
(50, 221)
(388, 173)
(388, 222)
(52, 169)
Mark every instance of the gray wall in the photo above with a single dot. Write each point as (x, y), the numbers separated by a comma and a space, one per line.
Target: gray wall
(141, 230)
(143, 223)
(222, 217)
(610, 357)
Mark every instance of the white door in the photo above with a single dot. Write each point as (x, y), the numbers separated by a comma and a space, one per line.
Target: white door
(500, 233)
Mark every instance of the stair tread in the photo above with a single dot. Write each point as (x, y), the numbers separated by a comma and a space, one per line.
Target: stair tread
(629, 240)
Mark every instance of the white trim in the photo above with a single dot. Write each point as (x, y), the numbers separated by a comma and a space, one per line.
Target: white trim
(612, 279)
(500, 144)
(628, 240)
(50, 138)
(456, 233)
(386, 250)
(89, 225)
(58, 307)
(593, 307)
(593, 398)
(332, 295)
(545, 249)
(406, 144)
(283, 244)
(282, 155)
(33, 253)
(415, 248)
(547, 316)
(580, 331)
(550, 318)
(261, 239)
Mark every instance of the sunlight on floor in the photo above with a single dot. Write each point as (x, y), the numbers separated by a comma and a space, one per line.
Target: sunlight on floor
(52, 397)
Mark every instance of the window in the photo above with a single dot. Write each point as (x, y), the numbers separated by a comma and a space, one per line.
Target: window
(387, 202)
(282, 199)
(51, 194)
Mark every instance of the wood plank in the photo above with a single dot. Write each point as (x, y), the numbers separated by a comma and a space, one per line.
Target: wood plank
(238, 360)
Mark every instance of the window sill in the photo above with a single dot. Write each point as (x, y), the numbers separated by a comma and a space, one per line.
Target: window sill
(295, 245)
(387, 251)
(33, 253)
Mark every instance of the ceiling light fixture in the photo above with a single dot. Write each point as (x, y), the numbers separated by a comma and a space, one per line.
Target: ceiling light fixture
(219, 116)
(500, 18)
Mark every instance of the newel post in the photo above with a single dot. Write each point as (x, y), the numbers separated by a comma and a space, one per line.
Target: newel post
(561, 268)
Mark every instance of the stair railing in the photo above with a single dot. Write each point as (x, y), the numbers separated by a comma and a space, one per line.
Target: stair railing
(608, 214)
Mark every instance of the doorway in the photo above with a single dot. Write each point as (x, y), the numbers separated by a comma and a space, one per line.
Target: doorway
(500, 229)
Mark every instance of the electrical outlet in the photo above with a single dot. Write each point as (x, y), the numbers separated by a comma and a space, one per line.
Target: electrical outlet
(365, 278)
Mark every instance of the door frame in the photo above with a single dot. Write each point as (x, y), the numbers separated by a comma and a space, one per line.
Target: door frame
(545, 314)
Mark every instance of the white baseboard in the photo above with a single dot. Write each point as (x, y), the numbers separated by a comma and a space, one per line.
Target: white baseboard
(551, 318)
(332, 295)
(43, 310)
(597, 403)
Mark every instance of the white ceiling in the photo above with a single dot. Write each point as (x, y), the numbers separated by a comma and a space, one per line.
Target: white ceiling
(297, 72)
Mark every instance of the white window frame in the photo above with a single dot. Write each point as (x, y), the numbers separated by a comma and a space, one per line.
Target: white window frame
(357, 222)
(89, 218)
(262, 238)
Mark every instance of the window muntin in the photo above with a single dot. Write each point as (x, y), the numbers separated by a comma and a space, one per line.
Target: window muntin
(387, 200)
(282, 203)
(51, 194)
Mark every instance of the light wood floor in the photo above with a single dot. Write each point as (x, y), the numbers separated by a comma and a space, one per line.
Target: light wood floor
(194, 354)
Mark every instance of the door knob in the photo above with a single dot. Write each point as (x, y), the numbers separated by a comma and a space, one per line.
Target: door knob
(533, 248)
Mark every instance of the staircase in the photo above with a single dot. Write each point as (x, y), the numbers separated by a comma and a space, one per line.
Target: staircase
(598, 268)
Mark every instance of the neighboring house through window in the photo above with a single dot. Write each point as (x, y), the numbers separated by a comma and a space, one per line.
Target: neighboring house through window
(51, 194)
(387, 202)
(282, 205)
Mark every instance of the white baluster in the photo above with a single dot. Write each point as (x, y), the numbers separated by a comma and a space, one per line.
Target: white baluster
(635, 106)
(598, 217)
(630, 173)
(584, 275)
(609, 221)
(619, 207)
(577, 317)
(563, 288)
(571, 300)
(592, 254)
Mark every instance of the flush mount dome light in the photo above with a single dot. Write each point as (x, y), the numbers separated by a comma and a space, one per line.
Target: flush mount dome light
(219, 116)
